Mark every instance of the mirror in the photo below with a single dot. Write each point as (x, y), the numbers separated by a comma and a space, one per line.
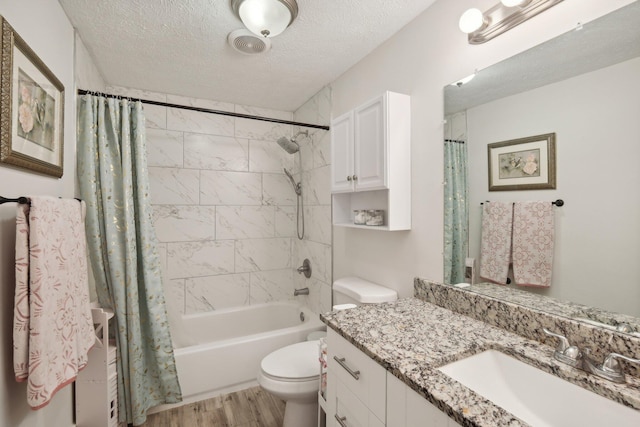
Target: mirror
(584, 86)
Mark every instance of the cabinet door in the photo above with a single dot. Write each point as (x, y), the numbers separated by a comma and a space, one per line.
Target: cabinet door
(396, 402)
(342, 153)
(370, 145)
(406, 408)
(368, 384)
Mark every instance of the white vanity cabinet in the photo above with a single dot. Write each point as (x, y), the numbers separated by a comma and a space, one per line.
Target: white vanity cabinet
(356, 386)
(371, 161)
(376, 398)
(406, 408)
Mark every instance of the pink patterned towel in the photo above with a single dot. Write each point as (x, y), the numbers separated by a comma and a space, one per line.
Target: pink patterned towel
(533, 238)
(52, 326)
(495, 247)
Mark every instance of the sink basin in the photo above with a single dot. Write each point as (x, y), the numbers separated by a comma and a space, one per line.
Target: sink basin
(537, 397)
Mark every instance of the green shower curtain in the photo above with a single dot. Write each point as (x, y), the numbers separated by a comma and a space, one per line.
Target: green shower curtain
(456, 211)
(113, 181)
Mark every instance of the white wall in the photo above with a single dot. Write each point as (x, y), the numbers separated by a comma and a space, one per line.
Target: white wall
(420, 60)
(45, 28)
(595, 119)
(88, 76)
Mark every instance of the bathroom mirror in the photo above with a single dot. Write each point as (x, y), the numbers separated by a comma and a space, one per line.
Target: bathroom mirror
(584, 86)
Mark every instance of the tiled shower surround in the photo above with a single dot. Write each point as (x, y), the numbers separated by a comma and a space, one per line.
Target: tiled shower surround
(225, 213)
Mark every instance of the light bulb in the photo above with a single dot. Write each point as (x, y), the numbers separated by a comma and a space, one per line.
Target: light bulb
(471, 21)
(266, 18)
(514, 3)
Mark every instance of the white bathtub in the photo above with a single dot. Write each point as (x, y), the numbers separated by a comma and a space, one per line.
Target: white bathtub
(224, 347)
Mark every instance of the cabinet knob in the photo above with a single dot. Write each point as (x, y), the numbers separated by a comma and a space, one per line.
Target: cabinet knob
(349, 178)
(355, 177)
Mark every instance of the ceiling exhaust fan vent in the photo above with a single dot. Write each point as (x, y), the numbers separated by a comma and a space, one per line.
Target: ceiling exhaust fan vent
(244, 41)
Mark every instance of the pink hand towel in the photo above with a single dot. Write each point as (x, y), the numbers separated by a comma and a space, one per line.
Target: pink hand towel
(495, 248)
(533, 241)
(53, 328)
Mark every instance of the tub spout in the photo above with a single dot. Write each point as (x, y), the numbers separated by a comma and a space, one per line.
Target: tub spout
(303, 291)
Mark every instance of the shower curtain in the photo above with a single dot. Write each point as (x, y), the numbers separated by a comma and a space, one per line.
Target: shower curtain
(456, 211)
(113, 181)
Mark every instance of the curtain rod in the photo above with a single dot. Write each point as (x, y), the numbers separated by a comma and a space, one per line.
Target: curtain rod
(205, 110)
(454, 140)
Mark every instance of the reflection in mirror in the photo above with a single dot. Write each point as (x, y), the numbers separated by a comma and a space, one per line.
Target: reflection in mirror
(584, 86)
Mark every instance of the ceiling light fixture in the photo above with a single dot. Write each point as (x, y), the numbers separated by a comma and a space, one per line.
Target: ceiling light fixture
(500, 18)
(266, 18)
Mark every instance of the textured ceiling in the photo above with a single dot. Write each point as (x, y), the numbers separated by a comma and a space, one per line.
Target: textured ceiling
(606, 41)
(179, 46)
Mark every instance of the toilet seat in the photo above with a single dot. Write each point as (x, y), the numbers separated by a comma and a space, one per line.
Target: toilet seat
(293, 363)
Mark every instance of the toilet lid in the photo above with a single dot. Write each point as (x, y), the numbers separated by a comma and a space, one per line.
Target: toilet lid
(294, 362)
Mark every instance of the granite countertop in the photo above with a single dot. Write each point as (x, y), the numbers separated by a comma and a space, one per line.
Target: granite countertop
(411, 338)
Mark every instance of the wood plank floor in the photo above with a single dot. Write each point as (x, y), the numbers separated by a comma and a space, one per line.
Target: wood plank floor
(252, 407)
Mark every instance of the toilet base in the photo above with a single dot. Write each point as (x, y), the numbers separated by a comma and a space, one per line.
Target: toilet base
(300, 414)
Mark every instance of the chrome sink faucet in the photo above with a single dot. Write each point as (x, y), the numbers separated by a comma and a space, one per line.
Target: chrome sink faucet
(566, 353)
(610, 369)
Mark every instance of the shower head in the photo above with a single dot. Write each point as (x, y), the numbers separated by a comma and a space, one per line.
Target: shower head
(290, 145)
(297, 186)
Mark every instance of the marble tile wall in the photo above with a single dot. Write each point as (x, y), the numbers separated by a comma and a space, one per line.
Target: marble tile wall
(315, 171)
(223, 210)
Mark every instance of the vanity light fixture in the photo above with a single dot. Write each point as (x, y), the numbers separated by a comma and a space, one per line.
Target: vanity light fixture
(266, 18)
(502, 17)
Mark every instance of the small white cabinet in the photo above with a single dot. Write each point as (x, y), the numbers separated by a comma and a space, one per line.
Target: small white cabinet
(371, 161)
(360, 393)
(97, 383)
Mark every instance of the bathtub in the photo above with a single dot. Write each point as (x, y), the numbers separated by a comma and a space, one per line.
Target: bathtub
(220, 351)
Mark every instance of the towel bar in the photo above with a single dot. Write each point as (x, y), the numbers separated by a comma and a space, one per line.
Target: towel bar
(22, 200)
(558, 202)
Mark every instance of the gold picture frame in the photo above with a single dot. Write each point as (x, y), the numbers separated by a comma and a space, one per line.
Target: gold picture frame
(523, 164)
(31, 108)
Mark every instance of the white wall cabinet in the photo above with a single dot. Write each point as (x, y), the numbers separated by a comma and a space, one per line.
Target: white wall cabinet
(371, 161)
(376, 398)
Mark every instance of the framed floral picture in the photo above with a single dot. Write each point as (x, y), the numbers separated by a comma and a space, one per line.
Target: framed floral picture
(31, 108)
(523, 164)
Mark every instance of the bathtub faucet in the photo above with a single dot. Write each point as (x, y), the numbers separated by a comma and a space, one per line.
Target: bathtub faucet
(305, 268)
(303, 291)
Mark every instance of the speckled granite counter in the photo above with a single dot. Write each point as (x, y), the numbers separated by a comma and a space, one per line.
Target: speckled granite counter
(411, 338)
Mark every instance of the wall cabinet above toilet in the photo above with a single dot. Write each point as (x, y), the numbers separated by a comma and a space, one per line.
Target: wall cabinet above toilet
(371, 161)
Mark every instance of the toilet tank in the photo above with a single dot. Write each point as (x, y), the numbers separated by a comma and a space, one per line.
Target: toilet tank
(355, 290)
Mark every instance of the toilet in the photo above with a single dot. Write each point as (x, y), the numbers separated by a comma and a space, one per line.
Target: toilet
(292, 373)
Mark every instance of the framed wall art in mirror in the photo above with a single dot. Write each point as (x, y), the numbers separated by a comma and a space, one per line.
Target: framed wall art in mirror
(31, 108)
(523, 164)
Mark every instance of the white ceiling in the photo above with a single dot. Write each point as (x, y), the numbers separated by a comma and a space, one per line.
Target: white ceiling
(179, 46)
